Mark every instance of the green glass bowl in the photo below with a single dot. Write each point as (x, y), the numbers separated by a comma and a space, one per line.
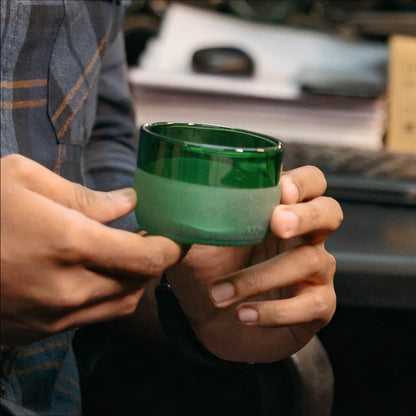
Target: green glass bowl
(206, 184)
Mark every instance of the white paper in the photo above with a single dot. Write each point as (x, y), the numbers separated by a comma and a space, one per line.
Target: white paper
(166, 89)
(281, 54)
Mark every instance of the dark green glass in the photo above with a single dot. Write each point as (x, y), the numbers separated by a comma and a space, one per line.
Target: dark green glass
(206, 184)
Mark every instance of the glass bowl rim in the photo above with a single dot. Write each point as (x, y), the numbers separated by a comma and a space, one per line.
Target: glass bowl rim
(215, 148)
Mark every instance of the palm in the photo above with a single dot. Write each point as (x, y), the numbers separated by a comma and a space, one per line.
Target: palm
(292, 284)
(219, 328)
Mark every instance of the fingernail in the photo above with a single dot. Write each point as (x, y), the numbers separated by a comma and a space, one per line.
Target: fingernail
(222, 292)
(288, 222)
(126, 195)
(248, 315)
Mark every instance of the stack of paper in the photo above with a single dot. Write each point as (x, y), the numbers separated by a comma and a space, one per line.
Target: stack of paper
(165, 87)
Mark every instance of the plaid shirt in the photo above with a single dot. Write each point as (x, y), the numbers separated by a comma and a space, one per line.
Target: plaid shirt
(66, 105)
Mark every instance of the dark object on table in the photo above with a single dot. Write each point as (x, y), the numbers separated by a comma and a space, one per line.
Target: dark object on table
(223, 61)
(135, 40)
(359, 175)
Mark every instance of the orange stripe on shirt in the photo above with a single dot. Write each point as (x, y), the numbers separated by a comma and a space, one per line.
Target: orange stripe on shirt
(13, 105)
(61, 343)
(45, 366)
(68, 392)
(69, 120)
(70, 380)
(61, 157)
(78, 84)
(28, 83)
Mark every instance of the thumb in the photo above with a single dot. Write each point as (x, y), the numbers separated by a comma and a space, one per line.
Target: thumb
(100, 206)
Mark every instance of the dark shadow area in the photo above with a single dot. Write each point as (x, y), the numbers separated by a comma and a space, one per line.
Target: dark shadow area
(140, 376)
(372, 352)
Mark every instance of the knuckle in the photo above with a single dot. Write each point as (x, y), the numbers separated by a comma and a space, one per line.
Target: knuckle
(21, 165)
(69, 247)
(66, 296)
(333, 305)
(332, 263)
(340, 216)
(129, 304)
(316, 173)
(337, 210)
(278, 315)
(333, 301)
(253, 282)
(314, 211)
(314, 258)
(57, 326)
(84, 198)
(154, 262)
(50, 328)
(321, 306)
(319, 175)
(328, 266)
(15, 159)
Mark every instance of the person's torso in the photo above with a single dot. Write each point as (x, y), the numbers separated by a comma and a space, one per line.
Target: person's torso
(51, 59)
(51, 53)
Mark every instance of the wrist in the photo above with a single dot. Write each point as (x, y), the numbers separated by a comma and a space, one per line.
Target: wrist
(179, 332)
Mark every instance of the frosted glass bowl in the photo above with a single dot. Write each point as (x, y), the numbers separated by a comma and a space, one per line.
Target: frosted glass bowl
(206, 184)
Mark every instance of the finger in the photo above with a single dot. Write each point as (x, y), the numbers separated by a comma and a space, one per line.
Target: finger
(316, 305)
(309, 264)
(302, 184)
(117, 251)
(321, 216)
(73, 238)
(105, 311)
(101, 206)
(76, 288)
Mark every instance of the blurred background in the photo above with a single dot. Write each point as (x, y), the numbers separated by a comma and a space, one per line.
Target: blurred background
(336, 81)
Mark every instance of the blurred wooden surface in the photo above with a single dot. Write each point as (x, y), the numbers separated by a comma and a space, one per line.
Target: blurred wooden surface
(402, 94)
